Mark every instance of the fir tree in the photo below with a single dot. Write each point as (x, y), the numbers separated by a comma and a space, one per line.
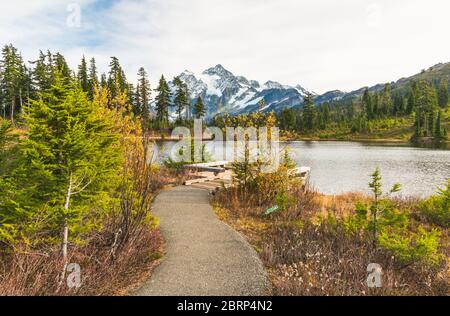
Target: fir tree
(386, 100)
(376, 105)
(443, 93)
(438, 132)
(92, 79)
(143, 94)
(61, 66)
(117, 82)
(82, 76)
(367, 100)
(426, 105)
(137, 107)
(13, 80)
(103, 81)
(40, 75)
(411, 103)
(199, 108)
(399, 104)
(163, 101)
(309, 112)
(181, 101)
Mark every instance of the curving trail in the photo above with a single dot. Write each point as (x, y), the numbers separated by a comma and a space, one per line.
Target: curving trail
(205, 257)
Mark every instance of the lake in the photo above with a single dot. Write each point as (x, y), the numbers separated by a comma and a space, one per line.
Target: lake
(339, 167)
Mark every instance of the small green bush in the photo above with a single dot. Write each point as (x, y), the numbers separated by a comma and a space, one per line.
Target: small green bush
(436, 209)
(175, 166)
(408, 248)
(357, 223)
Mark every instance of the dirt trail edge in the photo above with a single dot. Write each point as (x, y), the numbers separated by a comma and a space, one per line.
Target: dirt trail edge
(205, 257)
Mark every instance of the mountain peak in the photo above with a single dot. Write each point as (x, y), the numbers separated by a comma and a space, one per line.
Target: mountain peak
(273, 85)
(218, 70)
(221, 90)
(187, 72)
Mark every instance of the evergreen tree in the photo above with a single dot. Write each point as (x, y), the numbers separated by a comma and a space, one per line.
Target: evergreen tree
(103, 81)
(70, 160)
(143, 94)
(92, 79)
(443, 93)
(399, 104)
(386, 100)
(199, 109)
(367, 101)
(287, 120)
(117, 82)
(82, 76)
(181, 100)
(438, 132)
(12, 81)
(309, 112)
(163, 101)
(40, 75)
(61, 66)
(137, 107)
(411, 103)
(426, 105)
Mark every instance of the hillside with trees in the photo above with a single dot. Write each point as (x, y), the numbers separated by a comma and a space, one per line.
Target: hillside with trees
(415, 109)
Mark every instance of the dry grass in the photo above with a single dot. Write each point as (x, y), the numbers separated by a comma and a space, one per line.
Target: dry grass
(305, 255)
(39, 275)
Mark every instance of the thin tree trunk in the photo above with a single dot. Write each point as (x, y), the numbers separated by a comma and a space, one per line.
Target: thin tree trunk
(375, 223)
(65, 237)
(66, 225)
(13, 105)
(21, 100)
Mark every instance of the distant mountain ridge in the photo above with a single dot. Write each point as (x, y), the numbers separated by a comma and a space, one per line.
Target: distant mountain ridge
(224, 92)
(434, 74)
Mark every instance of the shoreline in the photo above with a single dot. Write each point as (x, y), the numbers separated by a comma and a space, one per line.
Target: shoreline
(355, 140)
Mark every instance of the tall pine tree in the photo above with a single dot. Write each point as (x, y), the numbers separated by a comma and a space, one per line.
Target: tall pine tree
(143, 95)
(182, 101)
(163, 101)
(367, 100)
(443, 93)
(13, 81)
(199, 109)
(82, 76)
(117, 82)
(309, 112)
(92, 79)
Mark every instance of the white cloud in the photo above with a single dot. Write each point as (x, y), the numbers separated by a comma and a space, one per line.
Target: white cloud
(321, 44)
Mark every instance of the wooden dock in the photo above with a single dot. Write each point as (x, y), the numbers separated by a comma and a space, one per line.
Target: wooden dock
(211, 176)
(217, 175)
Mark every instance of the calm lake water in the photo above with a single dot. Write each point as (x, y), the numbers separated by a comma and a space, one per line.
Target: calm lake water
(339, 167)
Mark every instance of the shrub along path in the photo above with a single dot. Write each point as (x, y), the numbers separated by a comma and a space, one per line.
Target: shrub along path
(204, 255)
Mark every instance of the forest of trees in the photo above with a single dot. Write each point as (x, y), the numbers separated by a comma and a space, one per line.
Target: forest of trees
(74, 179)
(426, 102)
(21, 82)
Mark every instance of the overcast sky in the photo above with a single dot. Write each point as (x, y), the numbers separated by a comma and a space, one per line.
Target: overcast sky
(320, 44)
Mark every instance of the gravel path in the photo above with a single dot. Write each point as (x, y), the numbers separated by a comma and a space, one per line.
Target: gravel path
(205, 257)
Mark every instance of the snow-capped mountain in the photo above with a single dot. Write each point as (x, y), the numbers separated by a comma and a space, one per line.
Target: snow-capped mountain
(223, 92)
